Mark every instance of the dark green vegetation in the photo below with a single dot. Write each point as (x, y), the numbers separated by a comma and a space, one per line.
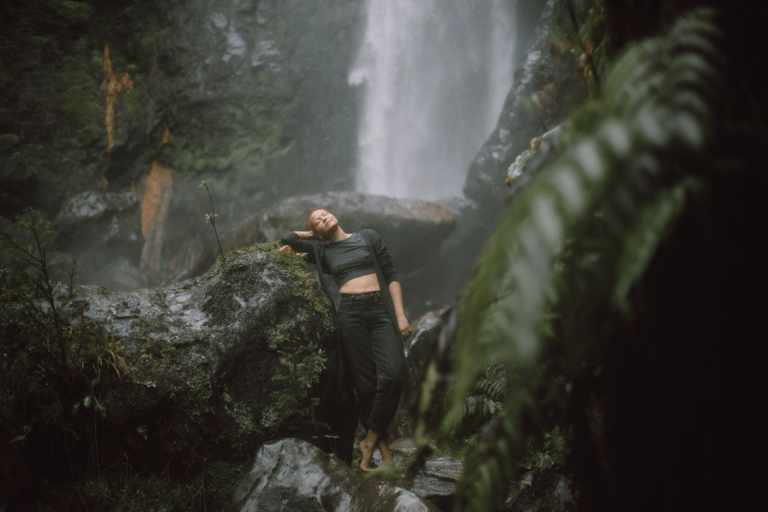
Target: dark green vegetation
(52, 92)
(65, 385)
(632, 272)
(58, 95)
(53, 375)
(630, 275)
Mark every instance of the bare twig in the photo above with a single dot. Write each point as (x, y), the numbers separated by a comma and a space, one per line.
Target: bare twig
(211, 217)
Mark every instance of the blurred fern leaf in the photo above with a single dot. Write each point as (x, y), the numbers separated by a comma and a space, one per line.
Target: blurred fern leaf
(617, 191)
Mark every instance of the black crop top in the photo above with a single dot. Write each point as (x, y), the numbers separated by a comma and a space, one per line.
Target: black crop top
(349, 258)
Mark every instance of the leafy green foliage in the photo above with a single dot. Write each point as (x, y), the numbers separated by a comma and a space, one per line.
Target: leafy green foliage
(51, 83)
(42, 297)
(303, 365)
(207, 486)
(127, 492)
(53, 374)
(591, 55)
(484, 403)
(552, 450)
(234, 139)
(558, 270)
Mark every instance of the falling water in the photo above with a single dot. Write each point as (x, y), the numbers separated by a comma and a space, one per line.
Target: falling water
(435, 73)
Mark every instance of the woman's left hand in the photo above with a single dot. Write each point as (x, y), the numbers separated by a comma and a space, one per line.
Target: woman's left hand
(405, 328)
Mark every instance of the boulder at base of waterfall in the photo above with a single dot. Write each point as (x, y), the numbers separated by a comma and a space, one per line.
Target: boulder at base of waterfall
(120, 274)
(203, 356)
(290, 474)
(437, 481)
(413, 230)
(540, 490)
(441, 282)
(96, 227)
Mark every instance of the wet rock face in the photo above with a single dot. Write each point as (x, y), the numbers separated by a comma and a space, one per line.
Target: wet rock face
(266, 78)
(540, 490)
(92, 206)
(545, 150)
(545, 90)
(203, 354)
(437, 481)
(99, 226)
(293, 475)
(423, 345)
(419, 351)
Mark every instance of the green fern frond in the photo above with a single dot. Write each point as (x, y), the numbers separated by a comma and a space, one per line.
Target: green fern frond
(486, 400)
(618, 190)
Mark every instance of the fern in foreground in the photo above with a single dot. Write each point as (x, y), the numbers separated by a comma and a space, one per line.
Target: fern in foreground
(587, 226)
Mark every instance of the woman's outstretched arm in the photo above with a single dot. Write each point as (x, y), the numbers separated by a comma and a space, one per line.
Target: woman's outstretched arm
(397, 299)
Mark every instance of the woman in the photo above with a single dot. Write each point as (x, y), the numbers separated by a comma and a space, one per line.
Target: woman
(360, 264)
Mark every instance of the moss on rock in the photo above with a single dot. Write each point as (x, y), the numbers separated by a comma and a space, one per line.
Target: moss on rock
(209, 356)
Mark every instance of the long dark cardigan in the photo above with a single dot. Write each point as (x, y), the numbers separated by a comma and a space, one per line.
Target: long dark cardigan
(319, 253)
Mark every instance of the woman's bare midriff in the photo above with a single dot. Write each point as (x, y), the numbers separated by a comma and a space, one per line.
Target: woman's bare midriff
(362, 284)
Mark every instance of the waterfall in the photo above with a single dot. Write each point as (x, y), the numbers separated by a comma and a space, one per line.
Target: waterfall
(435, 75)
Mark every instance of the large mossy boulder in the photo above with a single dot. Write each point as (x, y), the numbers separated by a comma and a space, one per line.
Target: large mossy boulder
(217, 364)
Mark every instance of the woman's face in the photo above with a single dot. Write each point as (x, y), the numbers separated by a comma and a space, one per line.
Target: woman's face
(322, 222)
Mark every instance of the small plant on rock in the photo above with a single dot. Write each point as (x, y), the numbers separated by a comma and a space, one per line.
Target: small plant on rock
(302, 368)
(211, 216)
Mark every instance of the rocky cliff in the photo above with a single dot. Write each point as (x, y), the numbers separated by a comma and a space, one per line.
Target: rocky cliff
(547, 86)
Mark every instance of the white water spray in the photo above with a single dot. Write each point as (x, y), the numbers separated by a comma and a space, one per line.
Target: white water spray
(436, 73)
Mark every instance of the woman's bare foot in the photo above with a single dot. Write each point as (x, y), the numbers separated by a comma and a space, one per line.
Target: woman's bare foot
(386, 455)
(386, 470)
(367, 446)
